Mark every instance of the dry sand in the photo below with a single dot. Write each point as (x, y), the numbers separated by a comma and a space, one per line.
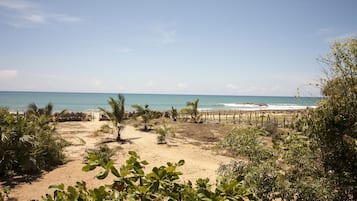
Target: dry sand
(200, 161)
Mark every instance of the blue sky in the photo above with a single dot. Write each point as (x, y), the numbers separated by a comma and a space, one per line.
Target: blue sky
(233, 47)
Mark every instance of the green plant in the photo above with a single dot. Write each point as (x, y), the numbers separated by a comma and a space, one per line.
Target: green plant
(245, 142)
(132, 183)
(146, 115)
(162, 133)
(192, 110)
(103, 152)
(174, 113)
(28, 143)
(333, 123)
(117, 113)
(5, 193)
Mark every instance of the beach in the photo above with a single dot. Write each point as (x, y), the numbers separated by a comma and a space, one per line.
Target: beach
(191, 142)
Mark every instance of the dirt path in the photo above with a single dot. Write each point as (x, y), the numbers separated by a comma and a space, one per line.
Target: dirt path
(200, 162)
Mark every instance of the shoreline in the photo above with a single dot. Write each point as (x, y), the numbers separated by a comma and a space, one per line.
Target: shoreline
(201, 110)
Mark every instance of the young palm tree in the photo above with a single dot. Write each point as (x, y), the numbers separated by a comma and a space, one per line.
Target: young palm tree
(192, 109)
(34, 110)
(145, 113)
(116, 115)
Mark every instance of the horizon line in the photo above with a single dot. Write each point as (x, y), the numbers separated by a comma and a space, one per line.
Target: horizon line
(148, 93)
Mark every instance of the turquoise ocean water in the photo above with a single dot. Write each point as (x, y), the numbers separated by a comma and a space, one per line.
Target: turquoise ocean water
(85, 102)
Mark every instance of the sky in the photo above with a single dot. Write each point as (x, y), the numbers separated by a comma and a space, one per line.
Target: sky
(221, 47)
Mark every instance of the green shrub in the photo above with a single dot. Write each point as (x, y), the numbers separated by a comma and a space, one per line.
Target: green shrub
(245, 142)
(162, 133)
(103, 152)
(28, 143)
(132, 183)
(296, 173)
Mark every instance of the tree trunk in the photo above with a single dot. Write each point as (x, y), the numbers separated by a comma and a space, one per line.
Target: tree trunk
(118, 135)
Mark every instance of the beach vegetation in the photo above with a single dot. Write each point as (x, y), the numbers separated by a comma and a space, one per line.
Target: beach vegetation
(4, 193)
(162, 133)
(146, 115)
(192, 110)
(317, 158)
(174, 113)
(245, 142)
(103, 152)
(117, 114)
(33, 109)
(333, 124)
(290, 171)
(28, 144)
(161, 183)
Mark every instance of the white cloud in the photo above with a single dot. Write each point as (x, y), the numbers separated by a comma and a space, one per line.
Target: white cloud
(231, 86)
(66, 18)
(35, 18)
(168, 36)
(123, 50)
(150, 84)
(23, 14)
(182, 85)
(16, 5)
(8, 74)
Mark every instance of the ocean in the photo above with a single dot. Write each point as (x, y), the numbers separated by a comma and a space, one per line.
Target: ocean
(88, 102)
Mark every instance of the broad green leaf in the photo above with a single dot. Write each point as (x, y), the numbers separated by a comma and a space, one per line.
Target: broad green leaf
(88, 168)
(114, 171)
(103, 174)
(59, 187)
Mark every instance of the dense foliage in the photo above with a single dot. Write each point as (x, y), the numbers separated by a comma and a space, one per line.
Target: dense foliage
(333, 124)
(245, 142)
(317, 160)
(289, 170)
(28, 143)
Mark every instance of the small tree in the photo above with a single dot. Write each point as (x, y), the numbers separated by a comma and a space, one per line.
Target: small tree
(334, 123)
(174, 113)
(117, 113)
(192, 109)
(32, 109)
(146, 114)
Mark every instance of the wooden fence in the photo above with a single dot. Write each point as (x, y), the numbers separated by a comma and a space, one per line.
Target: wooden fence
(282, 119)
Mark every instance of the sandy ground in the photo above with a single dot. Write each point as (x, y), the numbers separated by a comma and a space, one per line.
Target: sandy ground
(200, 161)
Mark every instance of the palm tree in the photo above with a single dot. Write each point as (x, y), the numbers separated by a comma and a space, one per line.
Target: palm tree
(192, 109)
(116, 115)
(32, 109)
(174, 113)
(145, 114)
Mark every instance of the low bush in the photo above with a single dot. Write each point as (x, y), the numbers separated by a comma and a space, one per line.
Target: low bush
(162, 133)
(103, 152)
(245, 142)
(28, 143)
(132, 183)
(294, 173)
